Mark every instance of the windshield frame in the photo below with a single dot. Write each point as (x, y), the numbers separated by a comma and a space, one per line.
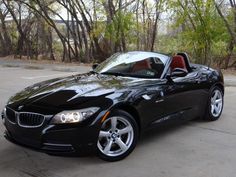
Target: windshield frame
(164, 58)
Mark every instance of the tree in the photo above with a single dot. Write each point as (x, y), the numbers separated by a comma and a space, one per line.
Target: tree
(5, 39)
(198, 24)
(231, 28)
(94, 29)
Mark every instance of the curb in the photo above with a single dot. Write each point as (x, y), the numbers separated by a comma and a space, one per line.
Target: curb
(53, 67)
(230, 83)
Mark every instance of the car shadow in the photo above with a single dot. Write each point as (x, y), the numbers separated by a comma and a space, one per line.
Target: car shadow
(32, 163)
(165, 129)
(159, 131)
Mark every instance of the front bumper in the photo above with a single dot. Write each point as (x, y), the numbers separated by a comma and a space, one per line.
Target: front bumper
(55, 139)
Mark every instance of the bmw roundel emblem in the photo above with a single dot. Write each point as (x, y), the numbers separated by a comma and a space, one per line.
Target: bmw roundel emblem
(20, 107)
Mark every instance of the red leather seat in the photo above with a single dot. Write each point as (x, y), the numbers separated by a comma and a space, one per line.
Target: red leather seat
(178, 62)
(141, 65)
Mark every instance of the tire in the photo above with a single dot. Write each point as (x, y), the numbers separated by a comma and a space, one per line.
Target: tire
(117, 137)
(215, 104)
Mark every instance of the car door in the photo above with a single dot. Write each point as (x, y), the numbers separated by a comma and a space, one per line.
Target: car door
(169, 102)
(182, 99)
(166, 100)
(162, 103)
(185, 97)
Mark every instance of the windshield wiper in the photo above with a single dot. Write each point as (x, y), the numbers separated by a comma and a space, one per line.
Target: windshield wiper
(93, 72)
(114, 73)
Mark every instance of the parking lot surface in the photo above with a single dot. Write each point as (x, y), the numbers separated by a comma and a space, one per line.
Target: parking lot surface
(193, 149)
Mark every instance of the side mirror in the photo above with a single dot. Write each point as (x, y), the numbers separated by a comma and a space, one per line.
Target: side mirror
(94, 66)
(179, 72)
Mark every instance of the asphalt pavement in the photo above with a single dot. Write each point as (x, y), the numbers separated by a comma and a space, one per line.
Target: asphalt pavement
(192, 149)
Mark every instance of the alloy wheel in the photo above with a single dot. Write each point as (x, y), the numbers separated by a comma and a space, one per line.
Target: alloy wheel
(115, 137)
(216, 103)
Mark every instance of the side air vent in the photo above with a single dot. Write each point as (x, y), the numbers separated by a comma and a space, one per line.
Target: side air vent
(11, 115)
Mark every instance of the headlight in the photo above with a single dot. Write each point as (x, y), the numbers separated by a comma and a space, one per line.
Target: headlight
(73, 116)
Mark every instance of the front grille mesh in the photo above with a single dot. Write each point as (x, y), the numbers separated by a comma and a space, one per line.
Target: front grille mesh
(25, 119)
(30, 119)
(11, 115)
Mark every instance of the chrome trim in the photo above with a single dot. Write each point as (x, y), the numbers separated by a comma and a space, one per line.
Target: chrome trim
(28, 126)
(59, 145)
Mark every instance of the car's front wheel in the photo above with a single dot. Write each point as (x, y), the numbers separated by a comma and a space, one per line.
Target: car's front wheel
(118, 136)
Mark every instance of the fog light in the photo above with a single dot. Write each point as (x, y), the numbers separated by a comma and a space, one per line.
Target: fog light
(4, 115)
(3, 121)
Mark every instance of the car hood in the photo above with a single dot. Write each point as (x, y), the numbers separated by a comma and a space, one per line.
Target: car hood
(73, 90)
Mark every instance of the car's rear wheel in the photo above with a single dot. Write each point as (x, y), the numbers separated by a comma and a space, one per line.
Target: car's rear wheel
(117, 137)
(215, 104)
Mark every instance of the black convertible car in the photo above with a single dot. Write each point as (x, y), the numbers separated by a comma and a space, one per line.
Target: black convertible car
(106, 110)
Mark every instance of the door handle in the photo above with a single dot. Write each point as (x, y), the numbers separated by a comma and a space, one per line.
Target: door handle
(159, 101)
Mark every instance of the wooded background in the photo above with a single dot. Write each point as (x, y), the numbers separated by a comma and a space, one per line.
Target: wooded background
(91, 30)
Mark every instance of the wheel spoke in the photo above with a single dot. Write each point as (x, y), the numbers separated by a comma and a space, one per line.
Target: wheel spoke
(215, 109)
(218, 108)
(125, 130)
(104, 134)
(108, 147)
(212, 101)
(215, 96)
(212, 109)
(218, 101)
(121, 144)
(113, 123)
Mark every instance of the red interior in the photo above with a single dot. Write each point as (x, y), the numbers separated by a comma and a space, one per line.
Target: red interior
(141, 65)
(178, 62)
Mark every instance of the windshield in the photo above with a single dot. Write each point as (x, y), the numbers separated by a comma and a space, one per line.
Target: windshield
(134, 64)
